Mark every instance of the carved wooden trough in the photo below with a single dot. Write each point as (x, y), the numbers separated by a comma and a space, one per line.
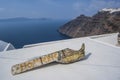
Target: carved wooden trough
(63, 56)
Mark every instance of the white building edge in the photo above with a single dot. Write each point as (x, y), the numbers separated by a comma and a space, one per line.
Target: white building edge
(4, 46)
(102, 60)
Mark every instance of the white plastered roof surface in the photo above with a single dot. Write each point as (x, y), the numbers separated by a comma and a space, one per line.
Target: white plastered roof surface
(102, 61)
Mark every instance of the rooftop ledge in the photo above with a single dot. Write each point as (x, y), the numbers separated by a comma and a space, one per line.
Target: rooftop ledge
(108, 39)
(102, 60)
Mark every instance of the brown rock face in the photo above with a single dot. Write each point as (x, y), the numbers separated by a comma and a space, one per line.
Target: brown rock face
(100, 23)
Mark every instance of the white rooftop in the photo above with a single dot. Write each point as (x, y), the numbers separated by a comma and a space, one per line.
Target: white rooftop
(102, 60)
(111, 10)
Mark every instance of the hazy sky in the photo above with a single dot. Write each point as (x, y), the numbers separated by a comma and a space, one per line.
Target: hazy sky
(56, 9)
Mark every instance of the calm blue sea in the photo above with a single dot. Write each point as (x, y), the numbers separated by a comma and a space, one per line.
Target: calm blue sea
(20, 33)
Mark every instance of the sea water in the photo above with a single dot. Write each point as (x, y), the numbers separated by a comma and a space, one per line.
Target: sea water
(23, 32)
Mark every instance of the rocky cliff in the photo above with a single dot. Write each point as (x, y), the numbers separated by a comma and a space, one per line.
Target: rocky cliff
(105, 21)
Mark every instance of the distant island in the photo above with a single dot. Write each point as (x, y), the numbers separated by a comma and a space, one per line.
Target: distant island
(23, 19)
(106, 20)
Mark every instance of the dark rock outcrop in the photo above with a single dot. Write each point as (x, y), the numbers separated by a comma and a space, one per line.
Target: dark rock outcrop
(100, 23)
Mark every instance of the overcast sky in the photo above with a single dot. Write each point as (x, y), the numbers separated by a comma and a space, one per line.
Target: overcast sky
(56, 9)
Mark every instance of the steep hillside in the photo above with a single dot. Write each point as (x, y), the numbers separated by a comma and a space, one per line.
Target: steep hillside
(105, 21)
